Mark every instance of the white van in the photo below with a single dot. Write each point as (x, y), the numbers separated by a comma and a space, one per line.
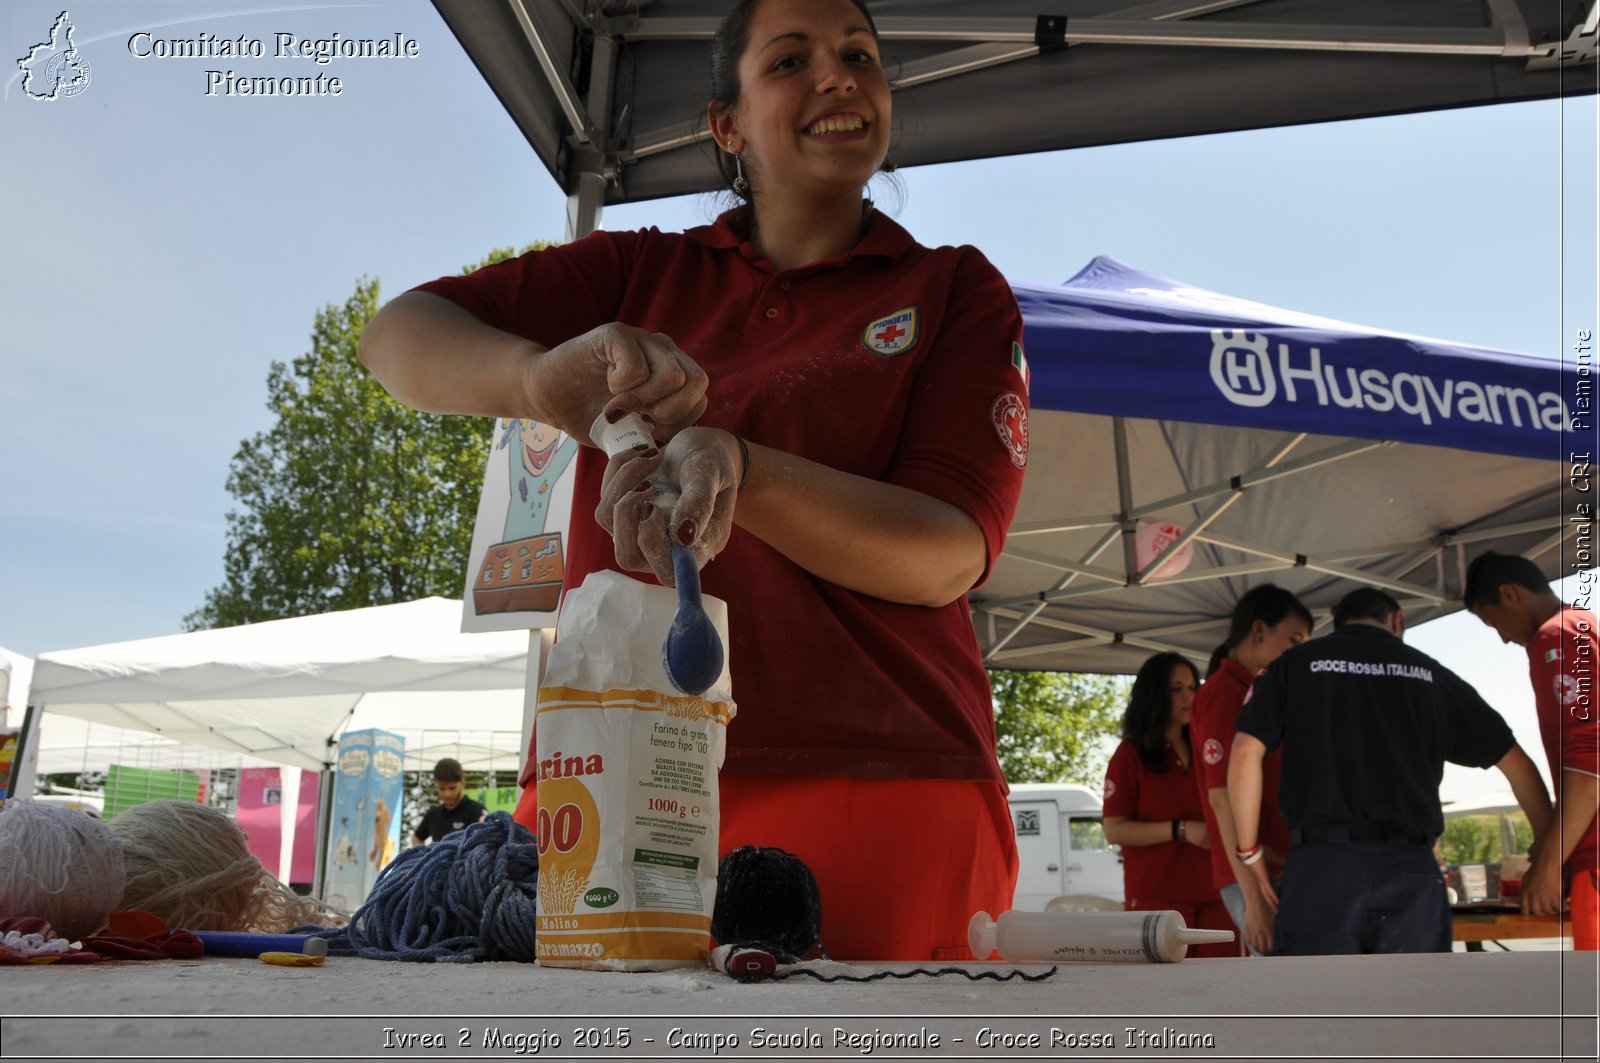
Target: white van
(90, 804)
(1062, 852)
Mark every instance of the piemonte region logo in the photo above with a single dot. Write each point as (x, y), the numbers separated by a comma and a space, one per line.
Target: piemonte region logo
(55, 68)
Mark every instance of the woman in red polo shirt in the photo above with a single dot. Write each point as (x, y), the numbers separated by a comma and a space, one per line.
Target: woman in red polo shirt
(1152, 805)
(1266, 620)
(845, 412)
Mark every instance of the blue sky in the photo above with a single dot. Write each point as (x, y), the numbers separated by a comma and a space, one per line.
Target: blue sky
(163, 247)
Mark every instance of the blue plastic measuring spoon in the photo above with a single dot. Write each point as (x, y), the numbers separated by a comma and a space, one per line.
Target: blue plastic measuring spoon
(692, 650)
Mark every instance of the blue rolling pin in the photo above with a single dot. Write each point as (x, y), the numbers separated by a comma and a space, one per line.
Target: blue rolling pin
(233, 943)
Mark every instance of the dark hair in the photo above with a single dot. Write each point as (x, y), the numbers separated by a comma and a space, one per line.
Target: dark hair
(448, 770)
(1365, 603)
(1268, 603)
(1491, 571)
(727, 47)
(1144, 723)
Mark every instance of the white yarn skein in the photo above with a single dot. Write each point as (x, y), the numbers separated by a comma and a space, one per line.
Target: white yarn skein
(60, 865)
(191, 866)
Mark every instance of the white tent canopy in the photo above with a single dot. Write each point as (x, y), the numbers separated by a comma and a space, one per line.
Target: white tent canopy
(68, 745)
(282, 690)
(15, 673)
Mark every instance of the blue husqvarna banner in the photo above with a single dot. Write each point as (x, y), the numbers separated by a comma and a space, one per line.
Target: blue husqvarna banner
(1116, 341)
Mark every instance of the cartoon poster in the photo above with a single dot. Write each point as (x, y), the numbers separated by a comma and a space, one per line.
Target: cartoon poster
(517, 564)
(9, 738)
(364, 833)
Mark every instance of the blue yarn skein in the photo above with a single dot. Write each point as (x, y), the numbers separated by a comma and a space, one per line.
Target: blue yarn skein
(468, 897)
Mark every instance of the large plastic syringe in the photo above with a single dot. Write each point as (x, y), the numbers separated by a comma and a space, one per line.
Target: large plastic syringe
(1087, 937)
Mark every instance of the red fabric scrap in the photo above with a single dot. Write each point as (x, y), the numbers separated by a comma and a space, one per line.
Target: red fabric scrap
(135, 934)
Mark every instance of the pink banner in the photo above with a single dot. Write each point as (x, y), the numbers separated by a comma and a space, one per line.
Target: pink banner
(260, 814)
(303, 866)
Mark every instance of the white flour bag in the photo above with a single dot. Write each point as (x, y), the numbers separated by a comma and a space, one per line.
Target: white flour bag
(627, 786)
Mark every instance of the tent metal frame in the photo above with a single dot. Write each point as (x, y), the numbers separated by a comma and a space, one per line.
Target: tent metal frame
(1084, 578)
(597, 162)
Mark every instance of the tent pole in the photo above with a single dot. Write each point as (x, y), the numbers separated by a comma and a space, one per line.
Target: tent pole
(539, 642)
(1119, 439)
(1061, 584)
(324, 824)
(587, 180)
(25, 757)
(552, 66)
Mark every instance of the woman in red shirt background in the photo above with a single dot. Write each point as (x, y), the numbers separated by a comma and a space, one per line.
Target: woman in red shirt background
(1152, 804)
(1266, 621)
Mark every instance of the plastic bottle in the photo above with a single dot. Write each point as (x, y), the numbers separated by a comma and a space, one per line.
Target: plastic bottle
(629, 432)
(614, 438)
(1088, 937)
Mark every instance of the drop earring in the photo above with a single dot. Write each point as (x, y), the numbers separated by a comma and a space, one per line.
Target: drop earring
(741, 184)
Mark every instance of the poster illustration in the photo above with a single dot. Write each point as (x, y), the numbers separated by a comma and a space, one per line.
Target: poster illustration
(364, 831)
(516, 566)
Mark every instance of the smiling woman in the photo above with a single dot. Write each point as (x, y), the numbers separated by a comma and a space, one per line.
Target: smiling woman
(816, 117)
(844, 412)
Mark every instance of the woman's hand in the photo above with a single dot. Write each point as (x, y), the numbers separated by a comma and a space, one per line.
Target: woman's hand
(432, 355)
(1269, 896)
(616, 369)
(1194, 832)
(684, 492)
(1258, 918)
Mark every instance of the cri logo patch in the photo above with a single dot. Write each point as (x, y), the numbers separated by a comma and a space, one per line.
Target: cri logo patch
(1566, 689)
(1111, 788)
(1212, 751)
(1010, 417)
(891, 336)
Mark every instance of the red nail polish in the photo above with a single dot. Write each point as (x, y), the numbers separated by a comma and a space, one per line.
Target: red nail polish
(647, 419)
(614, 415)
(644, 485)
(644, 448)
(686, 533)
(646, 511)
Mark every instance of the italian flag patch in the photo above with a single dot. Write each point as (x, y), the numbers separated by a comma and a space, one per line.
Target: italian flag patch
(1019, 362)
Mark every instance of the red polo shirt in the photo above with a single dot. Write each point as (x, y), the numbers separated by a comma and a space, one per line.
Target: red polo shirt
(1562, 665)
(893, 361)
(1211, 728)
(1168, 871)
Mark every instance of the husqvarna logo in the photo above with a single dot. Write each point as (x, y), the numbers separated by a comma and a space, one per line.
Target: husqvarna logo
(1241, 367)
(1249, 372)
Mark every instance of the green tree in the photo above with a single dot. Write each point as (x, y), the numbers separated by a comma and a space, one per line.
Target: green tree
(350, 499)
(1478, 839)
(1469, 840)
(1052, 726)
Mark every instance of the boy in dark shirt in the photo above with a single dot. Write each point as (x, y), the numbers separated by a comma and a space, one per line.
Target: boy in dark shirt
(458, 810)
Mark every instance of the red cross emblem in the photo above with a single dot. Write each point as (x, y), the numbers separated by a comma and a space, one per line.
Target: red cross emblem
(1009, 415)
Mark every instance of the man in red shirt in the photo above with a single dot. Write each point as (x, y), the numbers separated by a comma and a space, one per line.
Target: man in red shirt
(1511, 595)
